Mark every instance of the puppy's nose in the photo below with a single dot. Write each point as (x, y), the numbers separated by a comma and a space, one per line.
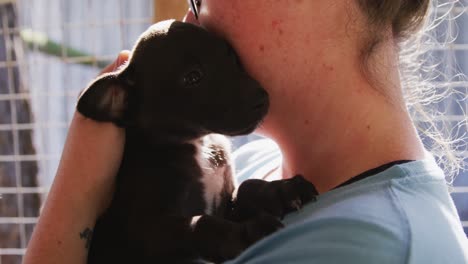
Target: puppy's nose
(261, 93)
(262, 99)
(259, 106)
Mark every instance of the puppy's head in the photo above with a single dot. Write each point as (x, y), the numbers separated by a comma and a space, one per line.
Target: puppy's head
(181, 82)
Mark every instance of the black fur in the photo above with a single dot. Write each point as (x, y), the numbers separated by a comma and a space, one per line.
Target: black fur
(181, 85)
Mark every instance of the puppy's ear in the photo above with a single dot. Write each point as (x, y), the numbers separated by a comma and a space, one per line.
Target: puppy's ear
(105, 99)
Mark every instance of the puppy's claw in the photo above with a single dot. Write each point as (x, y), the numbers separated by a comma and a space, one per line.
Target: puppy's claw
(296, 204)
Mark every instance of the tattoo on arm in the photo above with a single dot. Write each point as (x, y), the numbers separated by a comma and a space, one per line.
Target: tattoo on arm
(87, 234)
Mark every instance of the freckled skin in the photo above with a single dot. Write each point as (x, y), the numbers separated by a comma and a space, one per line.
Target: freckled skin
(291, 69)
(328, 67)
(275, 23)
(264, 44)
(233, 20)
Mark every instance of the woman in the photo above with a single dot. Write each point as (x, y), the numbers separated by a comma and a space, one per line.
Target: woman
(337, 111)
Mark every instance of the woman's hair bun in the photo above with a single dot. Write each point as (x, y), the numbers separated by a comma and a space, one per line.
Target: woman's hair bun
(404, 16)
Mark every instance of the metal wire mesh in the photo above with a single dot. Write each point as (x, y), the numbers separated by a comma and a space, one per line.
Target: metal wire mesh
(456, 106)
(65, 43)
(453, 66)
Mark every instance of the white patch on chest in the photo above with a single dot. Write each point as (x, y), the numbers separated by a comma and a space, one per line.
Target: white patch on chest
(194, 222)
(212, 176)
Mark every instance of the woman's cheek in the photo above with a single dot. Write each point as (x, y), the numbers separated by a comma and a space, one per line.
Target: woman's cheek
(224, 17)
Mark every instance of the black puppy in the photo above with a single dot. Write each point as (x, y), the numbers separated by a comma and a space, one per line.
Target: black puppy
(173, 201)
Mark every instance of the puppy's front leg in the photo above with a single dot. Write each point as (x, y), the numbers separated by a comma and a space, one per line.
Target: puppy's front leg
(177, 239)
(218, 240)
(276, 198)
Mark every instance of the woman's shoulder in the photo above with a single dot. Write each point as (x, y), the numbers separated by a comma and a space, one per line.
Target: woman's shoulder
(330, 240)
(396, 216)
(328, 230)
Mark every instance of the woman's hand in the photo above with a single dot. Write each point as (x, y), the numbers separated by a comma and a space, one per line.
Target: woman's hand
(82, 189)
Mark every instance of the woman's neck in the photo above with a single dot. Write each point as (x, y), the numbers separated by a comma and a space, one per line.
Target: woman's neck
(340, 124)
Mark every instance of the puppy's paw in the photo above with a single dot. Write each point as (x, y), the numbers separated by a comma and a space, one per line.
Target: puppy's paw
(294, 193)
(243, 235)
(304, 189)
(276, 198)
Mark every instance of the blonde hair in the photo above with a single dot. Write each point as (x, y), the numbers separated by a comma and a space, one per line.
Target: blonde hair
(426, 86)
(417, 27)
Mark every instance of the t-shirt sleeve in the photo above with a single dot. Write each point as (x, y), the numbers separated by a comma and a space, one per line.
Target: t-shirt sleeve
(329, 241)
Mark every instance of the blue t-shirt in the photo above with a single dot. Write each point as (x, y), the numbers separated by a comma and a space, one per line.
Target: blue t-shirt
(401, 215)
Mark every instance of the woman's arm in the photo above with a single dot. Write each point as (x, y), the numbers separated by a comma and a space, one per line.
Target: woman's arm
(82, 190)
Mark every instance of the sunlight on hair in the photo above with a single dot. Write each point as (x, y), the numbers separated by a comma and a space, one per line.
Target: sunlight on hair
(429, 80)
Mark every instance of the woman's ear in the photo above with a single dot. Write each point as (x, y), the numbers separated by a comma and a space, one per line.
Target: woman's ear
(105, 99)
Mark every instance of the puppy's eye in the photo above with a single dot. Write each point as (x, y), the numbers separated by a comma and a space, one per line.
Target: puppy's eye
(192, 78)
